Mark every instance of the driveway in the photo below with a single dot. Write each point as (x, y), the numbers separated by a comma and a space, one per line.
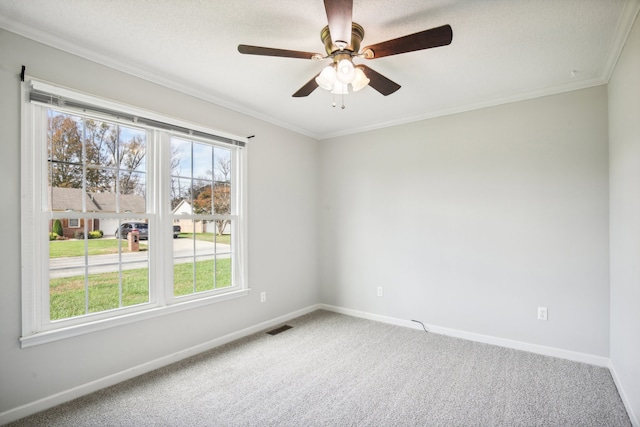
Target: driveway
(183, 252)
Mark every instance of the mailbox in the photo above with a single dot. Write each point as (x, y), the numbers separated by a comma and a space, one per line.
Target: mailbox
(133, 239)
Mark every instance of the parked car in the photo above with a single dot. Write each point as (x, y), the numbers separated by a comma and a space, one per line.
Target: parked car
(127, 227)
(176, 231)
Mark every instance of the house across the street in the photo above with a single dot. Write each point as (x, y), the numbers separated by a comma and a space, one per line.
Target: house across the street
(71, 200)
(187, 225)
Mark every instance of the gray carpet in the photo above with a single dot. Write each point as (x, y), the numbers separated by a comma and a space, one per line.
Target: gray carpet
(336, 370)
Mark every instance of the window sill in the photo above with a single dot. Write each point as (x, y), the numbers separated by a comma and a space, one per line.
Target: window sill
(99, 325)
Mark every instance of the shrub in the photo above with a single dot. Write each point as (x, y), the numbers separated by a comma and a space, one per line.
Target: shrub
(57, 227)
(79, 234)
(53, 236)
(96, 234)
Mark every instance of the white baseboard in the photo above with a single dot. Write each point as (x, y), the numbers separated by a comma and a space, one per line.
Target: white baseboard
(67, 395)
(486, 339)
(623, 396)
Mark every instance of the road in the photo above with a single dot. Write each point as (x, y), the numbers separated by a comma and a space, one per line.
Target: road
(183, 251)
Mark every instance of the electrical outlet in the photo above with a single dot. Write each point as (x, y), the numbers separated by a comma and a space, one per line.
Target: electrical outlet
(379, 291)
(542, 313)
(263, 297)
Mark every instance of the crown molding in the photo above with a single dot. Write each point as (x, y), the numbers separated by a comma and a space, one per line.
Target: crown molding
(138, 71)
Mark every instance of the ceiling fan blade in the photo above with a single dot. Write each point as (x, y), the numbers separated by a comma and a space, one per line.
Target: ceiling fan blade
(339, 14)
(379, 82)
(439, 36)
(309, 87)
(269, 51)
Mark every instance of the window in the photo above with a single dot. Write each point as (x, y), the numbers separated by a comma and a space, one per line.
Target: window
(201, 198)
(122, 181)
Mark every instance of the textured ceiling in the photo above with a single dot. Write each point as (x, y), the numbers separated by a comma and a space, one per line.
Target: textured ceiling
(502, 51)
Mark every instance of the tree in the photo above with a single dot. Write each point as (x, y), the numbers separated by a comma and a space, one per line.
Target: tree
(202, 201)
(209, 194)
(132, 153)
(95, 153)
(174, 167)
(223, 167)
(222, 203)
(57, 228)
(96, 134)
(222, 192)
(123, 157)
(65, 152)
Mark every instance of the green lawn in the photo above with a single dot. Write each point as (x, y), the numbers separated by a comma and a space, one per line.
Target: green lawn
(208, 237)
(69, 248)
(67, 295)
(183, 276)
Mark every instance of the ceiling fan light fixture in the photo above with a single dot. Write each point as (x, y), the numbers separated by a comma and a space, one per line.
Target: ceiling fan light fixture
(360, 80)
(327, 78)
(345, 72)
(340, 88)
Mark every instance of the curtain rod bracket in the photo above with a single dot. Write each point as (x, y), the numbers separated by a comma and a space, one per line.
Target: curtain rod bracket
(22, 73)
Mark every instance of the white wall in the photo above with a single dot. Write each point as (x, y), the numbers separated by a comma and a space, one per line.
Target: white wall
(472, 221)
(283, 180)
(624, 140)
(469, 222)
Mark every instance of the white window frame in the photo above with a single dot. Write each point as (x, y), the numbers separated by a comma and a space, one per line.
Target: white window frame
(36, 326)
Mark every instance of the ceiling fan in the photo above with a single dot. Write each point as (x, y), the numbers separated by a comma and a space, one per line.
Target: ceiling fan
(341, 39)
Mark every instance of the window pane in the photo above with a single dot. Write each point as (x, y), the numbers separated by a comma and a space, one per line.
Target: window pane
(180, 158)
(183, 255)
(223, 272)
(204, 274)
(202, 256)
(202, 197)
(132, 192)
(104, 289)
(65, 150)
(105, 158)
(132, 149)
(92, 272)
(67, 297)
(101, 141)
(181, 196)
(222, 198)
(61, 199)
(222, 162)
(222, 187)
(202, 161)
(224, 259)
(135, 286)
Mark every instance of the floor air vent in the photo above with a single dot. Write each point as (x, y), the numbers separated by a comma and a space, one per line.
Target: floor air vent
(276, 331)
